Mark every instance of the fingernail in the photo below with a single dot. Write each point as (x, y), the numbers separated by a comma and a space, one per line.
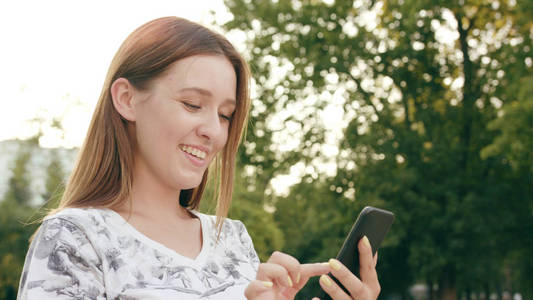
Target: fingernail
(334, 264)
(268, 283)
(325, 280)
(366, 242)
(298, 278)
(289, 280)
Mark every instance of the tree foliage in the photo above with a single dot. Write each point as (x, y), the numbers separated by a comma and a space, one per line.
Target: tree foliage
(19, 184)
(418, 83)
(15, 215)
(55, 178)
(19, 216)
(515, 128)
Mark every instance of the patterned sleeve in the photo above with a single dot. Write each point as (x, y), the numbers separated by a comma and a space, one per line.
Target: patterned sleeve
(248, 245)
(61, 264)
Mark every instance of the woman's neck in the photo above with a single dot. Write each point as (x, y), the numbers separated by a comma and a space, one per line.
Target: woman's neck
(151, 197)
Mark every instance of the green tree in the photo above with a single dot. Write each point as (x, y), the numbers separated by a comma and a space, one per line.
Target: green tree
(19, 184)
(15, 214)
(513, 143)
(515, 128)
(55, 177)
(15, 231)
(419, 82)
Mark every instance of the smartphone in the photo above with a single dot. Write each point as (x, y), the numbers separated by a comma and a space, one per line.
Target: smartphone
(372, 222)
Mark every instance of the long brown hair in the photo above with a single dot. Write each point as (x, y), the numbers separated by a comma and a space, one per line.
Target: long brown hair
(103, 173)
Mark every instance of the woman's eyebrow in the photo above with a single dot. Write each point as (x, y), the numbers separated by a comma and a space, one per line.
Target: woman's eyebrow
(197, 90)
(203, 92)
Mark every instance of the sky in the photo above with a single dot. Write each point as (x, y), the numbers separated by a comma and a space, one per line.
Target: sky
(54, 57)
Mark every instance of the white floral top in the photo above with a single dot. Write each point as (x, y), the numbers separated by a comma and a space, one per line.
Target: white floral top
(95, 254)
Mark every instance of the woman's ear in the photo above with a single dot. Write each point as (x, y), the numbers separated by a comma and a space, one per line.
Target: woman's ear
(122, 95)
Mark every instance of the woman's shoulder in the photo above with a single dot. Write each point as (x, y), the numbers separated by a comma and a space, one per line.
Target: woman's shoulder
(233, 236)
(230, 227)
(92, 222)
(227, 224)
(82, 217)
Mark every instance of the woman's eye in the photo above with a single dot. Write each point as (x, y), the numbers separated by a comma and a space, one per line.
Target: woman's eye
(226, 117)
(191, 106)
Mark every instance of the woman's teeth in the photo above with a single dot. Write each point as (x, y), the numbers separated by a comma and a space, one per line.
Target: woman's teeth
(194, 151)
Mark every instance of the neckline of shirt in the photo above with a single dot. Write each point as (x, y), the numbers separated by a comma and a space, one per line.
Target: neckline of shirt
(197, 261)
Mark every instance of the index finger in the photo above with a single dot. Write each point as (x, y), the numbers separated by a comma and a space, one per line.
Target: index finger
(315, 269)
(291, 264)
(367, 267)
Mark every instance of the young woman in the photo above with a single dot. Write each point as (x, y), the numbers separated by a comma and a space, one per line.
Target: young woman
(174, 103)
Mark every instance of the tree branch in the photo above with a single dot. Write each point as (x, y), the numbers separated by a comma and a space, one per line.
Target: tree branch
(366, 94)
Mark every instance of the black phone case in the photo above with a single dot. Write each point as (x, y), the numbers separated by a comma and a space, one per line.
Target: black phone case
(372, 222)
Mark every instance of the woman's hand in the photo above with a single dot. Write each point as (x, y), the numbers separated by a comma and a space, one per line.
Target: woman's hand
(366, 288)
(281, 277)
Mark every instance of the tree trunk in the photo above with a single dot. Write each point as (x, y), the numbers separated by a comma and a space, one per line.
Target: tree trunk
(487, 291)
(449, 293)
(447, 288)
(468, 95)
(430, 290)
(468, 292)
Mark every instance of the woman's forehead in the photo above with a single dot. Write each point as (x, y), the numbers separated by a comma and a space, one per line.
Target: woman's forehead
(211, 74)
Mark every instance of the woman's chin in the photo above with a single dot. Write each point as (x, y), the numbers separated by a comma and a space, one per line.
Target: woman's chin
(189, 184)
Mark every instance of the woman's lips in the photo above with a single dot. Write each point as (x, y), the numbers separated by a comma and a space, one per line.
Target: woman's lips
(194, 151)
(195, 155)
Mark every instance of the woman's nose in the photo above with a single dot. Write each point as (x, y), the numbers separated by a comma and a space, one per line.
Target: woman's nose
(210, 126)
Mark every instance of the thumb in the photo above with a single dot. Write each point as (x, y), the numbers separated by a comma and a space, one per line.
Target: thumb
(256, 288)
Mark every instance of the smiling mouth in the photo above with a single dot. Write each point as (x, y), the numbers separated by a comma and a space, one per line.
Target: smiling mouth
(194, 152)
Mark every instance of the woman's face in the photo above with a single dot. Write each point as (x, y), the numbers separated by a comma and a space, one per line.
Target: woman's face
(182, 120)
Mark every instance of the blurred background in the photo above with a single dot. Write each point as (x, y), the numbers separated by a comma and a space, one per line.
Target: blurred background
(421, 107)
